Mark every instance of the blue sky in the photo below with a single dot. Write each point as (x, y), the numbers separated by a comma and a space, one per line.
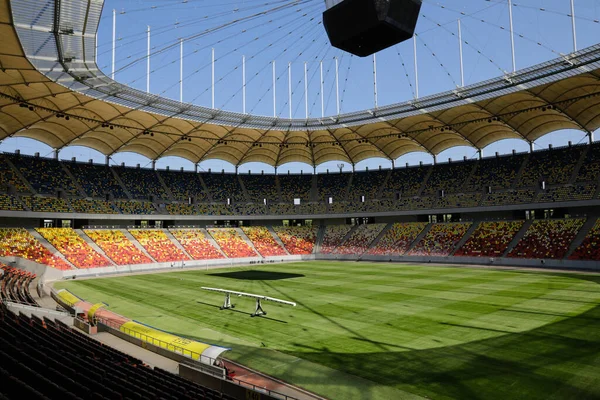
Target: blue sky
(291, 32)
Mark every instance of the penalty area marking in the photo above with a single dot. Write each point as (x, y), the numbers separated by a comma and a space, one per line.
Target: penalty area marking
(258, 311)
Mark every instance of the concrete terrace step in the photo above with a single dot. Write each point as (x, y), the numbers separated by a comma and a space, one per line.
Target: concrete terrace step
(465, 237)
(517, 237)
(277, 239)
(587, 226)
(49, 246)
(93, 245)
(136, 243)
(177, 244)
(248, 241)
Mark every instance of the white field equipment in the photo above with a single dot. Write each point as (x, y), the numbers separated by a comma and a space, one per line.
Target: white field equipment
(259, 311)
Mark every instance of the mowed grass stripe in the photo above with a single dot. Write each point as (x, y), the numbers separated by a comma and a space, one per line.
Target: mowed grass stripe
(382, 331)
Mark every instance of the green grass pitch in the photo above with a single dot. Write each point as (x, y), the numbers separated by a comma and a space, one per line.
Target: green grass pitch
(385, 331)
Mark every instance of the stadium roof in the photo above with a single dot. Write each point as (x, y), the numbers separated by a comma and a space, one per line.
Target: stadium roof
(52, 91)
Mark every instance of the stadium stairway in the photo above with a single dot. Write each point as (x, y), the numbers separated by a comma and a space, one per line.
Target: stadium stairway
(278, 187)
(212, 241)
(517, 237)
(383, 184)
(165, 187)
(319, 241)
(247, 240)
(589, 224)
(465, 237)
(136, 243)
(314, 189)
(118, 179)
(580, 162)
(378, 237)
(208, 193)
(93, 245)
(277, 239)
(49, 246)
(244, 190)
(176, 243)
(520, 172)
(425, 180)
(82, 192)
(345, 238)
(419, 237)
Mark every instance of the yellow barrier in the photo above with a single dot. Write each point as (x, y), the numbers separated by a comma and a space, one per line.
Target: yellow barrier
(67, 297)
(165, 340)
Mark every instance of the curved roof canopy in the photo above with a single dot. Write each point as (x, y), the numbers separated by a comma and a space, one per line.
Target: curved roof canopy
(52, 90)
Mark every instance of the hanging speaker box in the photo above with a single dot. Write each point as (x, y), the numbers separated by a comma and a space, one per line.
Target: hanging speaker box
(364, 27)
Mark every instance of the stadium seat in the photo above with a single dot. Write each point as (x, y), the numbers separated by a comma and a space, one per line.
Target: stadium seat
(117, 247)
(73, 247)
(297, 239)
(333, 237)
(440, 240)
(589, 249)
(232, 244)
(20, 243)
(547, 239)
(263, 241)
(158, 245)
(196, 244)
(490, 239)
(360, 239)
(397, 240)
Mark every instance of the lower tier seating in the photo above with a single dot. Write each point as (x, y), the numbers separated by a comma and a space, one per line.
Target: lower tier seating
(549, 238)
(360, 239)
(263, 241)
(397, 240)
(232, 244)
(117, 247)
(196, 244)
(73, 247)
(158, 245)
(589, 249)
(297, 239)
(20, 243)
(441, 239)
(490, 239)
(334, 235)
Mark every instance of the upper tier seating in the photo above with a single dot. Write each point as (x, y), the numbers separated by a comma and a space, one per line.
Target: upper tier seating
(449, 177)
(554, 166)
(117, 247)
(181, 209)
(508, 197)
(135, 207)
(45, 204)
(232, 244)
(184, 185)
(589, 249)
(196, 244)
(10, 203)
(46, 176)
(142, 183)
(367, 184)
(333, 185)
(406, 181)
(73, 247)
(397, 240)
(590, 169)
(93, 206)
(547, 238)
(260, 187)
(223, 187)
(297, 239)
(20, 243)
(459, 200)
(158, 245)
(567, 193)
(8, 177)
(490, 239)
(441, 239)
(497, 172)
(334, 235)
(295, 187)
(301, 209)
(263, 241)
(45, 359)
(96, 180)
(360, 239)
